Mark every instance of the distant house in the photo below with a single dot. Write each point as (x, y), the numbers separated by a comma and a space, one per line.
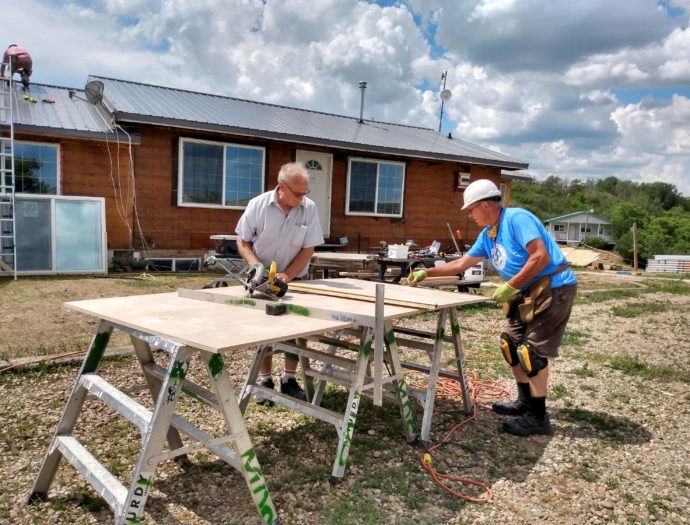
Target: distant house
(174, 167)
(574, 227)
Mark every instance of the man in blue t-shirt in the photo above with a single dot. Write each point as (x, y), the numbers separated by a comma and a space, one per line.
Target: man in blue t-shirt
(526, 258)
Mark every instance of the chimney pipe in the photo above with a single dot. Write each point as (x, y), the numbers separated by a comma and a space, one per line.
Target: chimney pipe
(362, 87)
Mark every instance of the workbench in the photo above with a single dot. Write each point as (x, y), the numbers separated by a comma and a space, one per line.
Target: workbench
(217, 323)
(355, 301)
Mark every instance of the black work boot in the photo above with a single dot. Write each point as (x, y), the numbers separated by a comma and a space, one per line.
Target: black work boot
(260, 399)
(291, 387)
(528, 424)
(517, 407)
(535, 421)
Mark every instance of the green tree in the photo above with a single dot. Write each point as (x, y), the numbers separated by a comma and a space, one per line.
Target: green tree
(624, 215)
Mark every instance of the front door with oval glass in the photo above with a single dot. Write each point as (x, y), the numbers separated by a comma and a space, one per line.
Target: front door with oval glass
(319, 165)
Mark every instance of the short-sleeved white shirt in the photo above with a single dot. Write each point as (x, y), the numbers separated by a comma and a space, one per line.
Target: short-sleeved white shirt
(275, 236)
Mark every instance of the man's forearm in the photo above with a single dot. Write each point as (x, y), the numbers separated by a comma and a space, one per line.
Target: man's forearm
(246, 251)
(298, 263)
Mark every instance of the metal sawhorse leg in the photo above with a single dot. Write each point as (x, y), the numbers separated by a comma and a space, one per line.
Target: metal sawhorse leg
(165, 385)
(434, 351)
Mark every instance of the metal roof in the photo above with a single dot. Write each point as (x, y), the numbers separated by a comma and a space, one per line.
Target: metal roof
(54, 112)
(592, 217)
(145, 103)
(516, 175)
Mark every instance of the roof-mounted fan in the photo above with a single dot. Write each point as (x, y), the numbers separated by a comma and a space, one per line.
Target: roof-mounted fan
(94, 91)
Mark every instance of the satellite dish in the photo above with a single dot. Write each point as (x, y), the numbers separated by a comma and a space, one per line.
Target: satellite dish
(94, 91)
(445, 95)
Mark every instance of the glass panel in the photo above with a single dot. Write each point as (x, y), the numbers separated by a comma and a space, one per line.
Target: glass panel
(35, 168)
(362, 186)
(390, 189)
(78, 235)
(202, 168)
(243, 174)
(33, 235)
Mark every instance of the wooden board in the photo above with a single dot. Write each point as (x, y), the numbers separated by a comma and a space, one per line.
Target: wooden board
(395, 294)
(311, 305)
(345, 256)
(203, 325)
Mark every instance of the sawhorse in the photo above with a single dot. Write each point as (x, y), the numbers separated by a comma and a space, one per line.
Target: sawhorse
(165, 386)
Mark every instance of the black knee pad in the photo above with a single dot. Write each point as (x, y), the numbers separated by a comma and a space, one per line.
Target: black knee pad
(530, 362)
(509, 350)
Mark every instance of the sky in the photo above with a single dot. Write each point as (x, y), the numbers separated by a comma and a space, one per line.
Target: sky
(579, 89)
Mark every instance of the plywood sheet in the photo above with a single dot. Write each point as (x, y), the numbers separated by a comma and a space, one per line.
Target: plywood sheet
(395, 294)
(203, 325)
(580, 256)
(310, 305)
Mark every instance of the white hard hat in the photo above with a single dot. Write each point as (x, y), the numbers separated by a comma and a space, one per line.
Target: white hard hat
(478, 191)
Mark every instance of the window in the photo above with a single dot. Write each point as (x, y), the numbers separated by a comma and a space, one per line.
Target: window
(587, 229)
(560, 228)
(215, 174)
(375, 188)
(35, 168)
(602, 229)
(60, 234)
(313, 165)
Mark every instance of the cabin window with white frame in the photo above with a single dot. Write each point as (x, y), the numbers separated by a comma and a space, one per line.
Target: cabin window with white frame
(36, 167)
(216, 174)
(602, 229)
(559, 228)
(375, 188)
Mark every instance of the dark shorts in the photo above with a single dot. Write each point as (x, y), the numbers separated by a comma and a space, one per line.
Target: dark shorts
(545, 332)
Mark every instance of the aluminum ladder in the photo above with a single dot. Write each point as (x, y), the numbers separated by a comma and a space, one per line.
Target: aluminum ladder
(8, 240)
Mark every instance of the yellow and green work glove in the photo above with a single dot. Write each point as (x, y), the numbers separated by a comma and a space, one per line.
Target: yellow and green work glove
(416, 277)
(503, 293)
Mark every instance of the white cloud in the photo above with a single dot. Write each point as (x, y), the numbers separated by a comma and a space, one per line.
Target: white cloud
(656, 64)
(535, 80)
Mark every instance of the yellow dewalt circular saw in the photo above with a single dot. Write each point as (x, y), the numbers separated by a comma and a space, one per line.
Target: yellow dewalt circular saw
(259, 279)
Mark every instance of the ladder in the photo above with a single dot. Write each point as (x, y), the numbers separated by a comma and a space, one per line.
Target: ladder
(8, 241)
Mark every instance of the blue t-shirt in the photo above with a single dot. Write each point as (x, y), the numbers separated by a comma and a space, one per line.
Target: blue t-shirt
(508, 253)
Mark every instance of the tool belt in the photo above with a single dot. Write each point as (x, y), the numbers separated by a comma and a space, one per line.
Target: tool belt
(533, 301)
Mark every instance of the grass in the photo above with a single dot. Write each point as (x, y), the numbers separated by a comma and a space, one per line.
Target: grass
(677, 288)
(574, 338)
(587, 473)
(638, 309)
(633, 366)
(606, 295)
(558, 391)
(583, 372)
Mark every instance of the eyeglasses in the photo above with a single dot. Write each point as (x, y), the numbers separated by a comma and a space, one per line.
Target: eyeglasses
(474, 206)
(297, 194)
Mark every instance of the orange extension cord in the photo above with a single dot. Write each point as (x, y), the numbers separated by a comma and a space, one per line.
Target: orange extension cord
(448, 392)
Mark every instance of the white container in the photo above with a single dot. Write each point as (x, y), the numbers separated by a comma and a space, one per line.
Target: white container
(398, 251)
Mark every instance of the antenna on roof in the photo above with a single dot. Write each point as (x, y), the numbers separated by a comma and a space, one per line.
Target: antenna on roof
(94, 92)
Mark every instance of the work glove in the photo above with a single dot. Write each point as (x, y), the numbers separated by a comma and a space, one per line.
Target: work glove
(256, 273)
(503, 293)
(416, 277)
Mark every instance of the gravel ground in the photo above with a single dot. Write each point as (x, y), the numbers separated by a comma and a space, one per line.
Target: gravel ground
(619, 402)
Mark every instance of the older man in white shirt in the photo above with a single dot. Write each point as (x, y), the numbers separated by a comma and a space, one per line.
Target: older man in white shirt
(281, 225)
